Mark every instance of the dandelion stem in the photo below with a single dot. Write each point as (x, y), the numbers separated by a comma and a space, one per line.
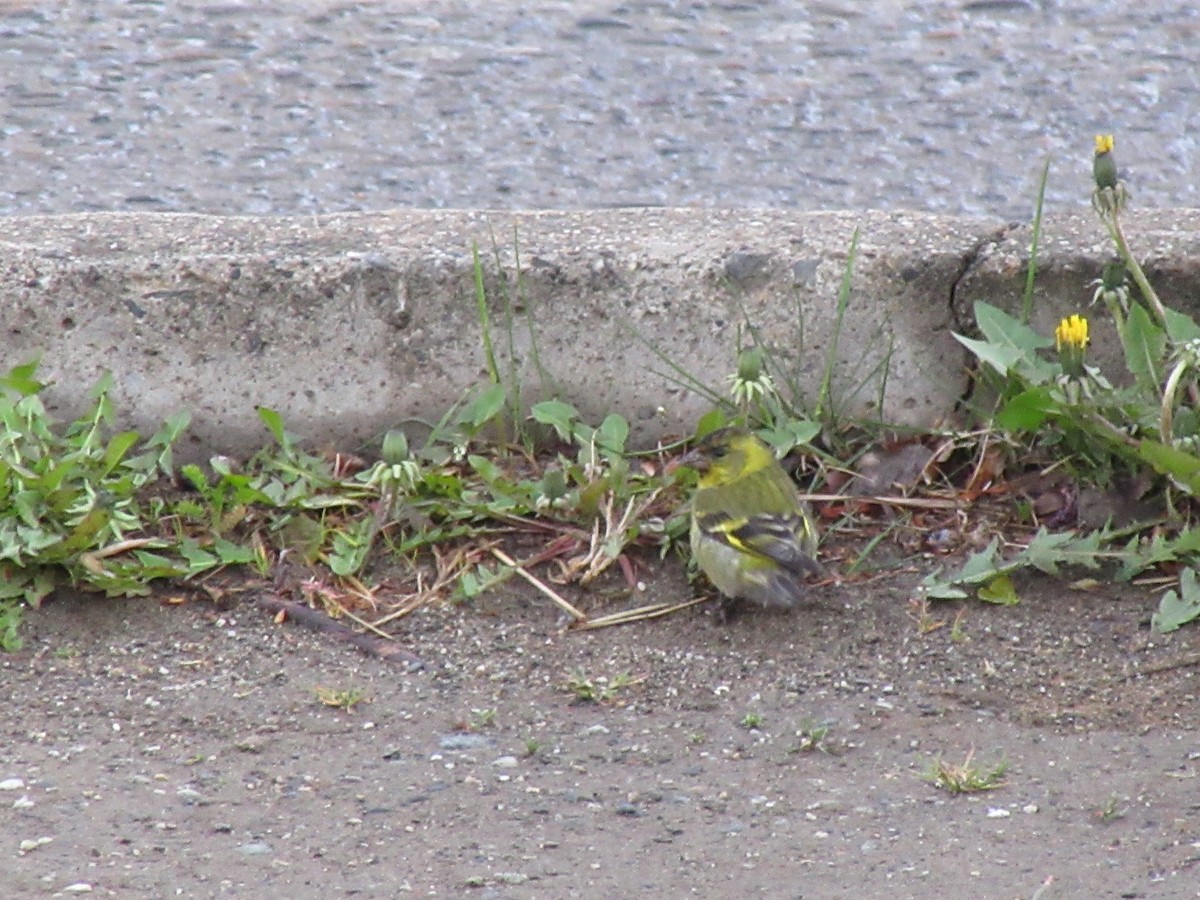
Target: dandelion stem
(1166, 420)
(1152, 303)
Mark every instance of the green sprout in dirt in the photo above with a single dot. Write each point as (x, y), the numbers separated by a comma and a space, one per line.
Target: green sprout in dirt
(1111, 810)
(812, 736)
(1138, 428)
(958, 633)
(965, 777)
(481, 719)
(921, 615)
(600, 689)
(341, 698)
(752, 720)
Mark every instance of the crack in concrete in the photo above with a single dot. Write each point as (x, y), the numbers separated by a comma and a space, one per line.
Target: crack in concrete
(963, 322)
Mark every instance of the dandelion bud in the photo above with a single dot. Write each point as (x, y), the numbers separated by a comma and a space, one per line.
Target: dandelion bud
(750, 364)
(752, 383)
(1104, 166)
(1113, 278)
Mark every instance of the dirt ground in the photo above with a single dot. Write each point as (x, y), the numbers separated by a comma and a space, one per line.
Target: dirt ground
(155, 751)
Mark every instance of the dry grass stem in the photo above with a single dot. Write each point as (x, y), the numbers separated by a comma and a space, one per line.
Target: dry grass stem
(449, 568)
(363, 623)
(540, 585)
(599, 556)
(650, 611)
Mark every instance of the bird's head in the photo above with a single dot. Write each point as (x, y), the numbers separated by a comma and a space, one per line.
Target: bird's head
(726, 455)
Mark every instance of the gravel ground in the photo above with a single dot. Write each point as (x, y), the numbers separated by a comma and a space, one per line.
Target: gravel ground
(325, 105)
(181, 751)
(152, 750)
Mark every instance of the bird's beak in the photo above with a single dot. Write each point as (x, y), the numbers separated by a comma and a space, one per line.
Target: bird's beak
(693, 459)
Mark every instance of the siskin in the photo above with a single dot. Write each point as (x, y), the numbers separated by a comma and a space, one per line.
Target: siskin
(751, 533)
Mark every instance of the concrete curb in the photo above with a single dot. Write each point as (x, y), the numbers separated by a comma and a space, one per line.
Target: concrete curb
(1072, 252)
(348, 324)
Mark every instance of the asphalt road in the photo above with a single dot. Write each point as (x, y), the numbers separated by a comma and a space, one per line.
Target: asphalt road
(313, 107)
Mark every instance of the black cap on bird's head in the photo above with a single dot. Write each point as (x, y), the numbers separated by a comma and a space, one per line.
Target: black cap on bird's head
(728, 453)
(712, 447)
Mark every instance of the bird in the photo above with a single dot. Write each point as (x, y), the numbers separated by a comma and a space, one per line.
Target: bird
(751, 534)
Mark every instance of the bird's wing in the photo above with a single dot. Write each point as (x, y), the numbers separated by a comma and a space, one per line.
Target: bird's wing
(779, 538)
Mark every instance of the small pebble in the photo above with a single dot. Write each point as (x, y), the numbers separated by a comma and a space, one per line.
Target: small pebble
(505, 762)
(79, 887)
(190, 796)
(995, 813)
(11, 784)
(463, 741)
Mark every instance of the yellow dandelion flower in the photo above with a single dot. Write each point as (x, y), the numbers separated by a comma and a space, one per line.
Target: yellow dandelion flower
(1071, 340)
(1071, 331)
(1104, 143)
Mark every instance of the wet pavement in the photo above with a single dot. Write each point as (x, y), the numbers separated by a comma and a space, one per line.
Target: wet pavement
(316, 107)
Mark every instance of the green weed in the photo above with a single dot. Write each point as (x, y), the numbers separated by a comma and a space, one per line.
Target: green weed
(965, 777)
(1053, 404)
(812, 736)
(101, 509)
(341, 698)
(71, 510)
(601, 689)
